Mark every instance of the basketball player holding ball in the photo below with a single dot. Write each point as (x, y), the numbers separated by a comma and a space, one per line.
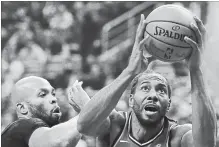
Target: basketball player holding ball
(146, 124)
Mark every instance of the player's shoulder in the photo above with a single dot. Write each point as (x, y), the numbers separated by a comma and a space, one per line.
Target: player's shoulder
(182, 128)
(21, 130)
(178, 131)
(31, 122)
(23, 124)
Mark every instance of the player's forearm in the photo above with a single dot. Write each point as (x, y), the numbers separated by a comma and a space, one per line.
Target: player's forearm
(203, 114)
(102, 103)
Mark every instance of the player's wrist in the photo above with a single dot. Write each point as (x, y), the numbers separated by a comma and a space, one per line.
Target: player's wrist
(131, 72)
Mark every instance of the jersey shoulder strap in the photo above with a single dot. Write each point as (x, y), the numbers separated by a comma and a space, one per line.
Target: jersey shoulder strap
(124, 133)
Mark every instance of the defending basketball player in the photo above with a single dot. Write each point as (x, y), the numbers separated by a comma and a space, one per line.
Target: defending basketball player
(38, 112)
(146, 124)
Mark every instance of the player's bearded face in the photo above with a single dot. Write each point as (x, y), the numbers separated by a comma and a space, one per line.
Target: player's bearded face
(151, 100)
(43, 104)
(40, 111)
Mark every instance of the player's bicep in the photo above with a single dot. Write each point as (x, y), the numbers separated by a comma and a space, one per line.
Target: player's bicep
(187, 139)
(115, 118)
(104, 128)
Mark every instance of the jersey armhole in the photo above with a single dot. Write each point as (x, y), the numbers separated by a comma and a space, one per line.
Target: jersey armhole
(119, 135)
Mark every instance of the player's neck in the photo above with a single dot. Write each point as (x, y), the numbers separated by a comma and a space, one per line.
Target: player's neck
(142, 132)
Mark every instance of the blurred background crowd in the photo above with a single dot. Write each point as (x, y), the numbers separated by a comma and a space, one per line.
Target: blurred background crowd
(62, 42)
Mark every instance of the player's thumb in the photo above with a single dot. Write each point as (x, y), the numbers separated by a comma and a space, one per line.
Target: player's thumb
(143, 42)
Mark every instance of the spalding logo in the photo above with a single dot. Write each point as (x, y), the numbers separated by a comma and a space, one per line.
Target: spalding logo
(170, 34)
(175, 28)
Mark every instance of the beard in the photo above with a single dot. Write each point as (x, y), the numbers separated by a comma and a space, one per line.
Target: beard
(144, 119)
(38, 112)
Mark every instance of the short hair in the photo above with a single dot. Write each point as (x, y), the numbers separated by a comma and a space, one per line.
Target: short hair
(146, 72)
(17, 94)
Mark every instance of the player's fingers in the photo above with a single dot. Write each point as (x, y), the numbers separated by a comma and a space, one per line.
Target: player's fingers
(142, 30)
(74, 89)
(198, 34)
(145, 32)
(143, 42)
(200, 25)
(139, 29)
(146, 54)
(80, 83)
(202, 29)
(150, 59)
(193, 44)
(76, 82)
(74, 105)
(144, 65)
(141, 22)
(78, 86)
(70, 96)
(69, 92)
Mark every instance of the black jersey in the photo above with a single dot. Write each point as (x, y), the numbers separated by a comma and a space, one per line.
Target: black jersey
(18, 133)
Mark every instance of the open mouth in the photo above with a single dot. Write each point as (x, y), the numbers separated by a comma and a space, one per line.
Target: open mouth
(56, 110)
(151, 108)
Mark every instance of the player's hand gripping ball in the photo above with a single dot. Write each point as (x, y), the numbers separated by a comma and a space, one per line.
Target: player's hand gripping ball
(167, 26)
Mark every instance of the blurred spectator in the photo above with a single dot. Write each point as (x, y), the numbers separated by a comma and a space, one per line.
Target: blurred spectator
(89, 32)
(54, 63)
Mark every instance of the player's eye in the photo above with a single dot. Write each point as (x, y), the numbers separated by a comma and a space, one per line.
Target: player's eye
(145, 88)
(53, 93)
(42, 94)
(162, 90)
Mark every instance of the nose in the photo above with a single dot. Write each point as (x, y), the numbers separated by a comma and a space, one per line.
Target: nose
(153, 96)
(53, 100)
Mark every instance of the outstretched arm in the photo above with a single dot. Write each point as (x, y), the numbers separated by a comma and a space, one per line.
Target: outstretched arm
(101, 105)
(61, 135)
(203, 115)
(64, 134)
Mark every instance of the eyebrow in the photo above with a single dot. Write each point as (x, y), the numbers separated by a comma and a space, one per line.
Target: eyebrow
(163, 85)
(160, 84)
(144, 82)
(46, 90)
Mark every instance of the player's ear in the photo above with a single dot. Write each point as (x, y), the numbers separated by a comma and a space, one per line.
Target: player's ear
(22, 108)
(131, 100)
(168, 108)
